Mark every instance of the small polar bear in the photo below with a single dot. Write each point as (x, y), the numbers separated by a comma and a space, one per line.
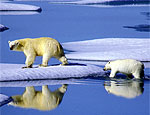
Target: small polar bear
(42, 100)
(128, 67)
(44, 46)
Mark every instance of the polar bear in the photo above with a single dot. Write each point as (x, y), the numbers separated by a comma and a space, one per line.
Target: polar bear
(127, 89)
(42, 100)
(128, 67)
(44, 46)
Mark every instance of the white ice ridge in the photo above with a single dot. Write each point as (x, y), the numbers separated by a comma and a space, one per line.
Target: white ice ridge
(14, 72)
(93, 1)
(18, 7)
(109, 49)
(4, 99)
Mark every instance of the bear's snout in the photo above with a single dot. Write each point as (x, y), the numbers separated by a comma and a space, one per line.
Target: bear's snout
(12, 47)
(104, 69)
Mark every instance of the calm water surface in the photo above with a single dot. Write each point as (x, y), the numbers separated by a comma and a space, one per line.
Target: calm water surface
(77, 23)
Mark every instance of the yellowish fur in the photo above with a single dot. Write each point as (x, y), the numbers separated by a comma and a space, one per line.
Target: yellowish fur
(44, 46)
(41, 100)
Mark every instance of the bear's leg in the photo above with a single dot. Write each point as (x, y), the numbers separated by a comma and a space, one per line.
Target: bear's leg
(112, 74)
(29, 61)
(30, 90)
(64, 60)
(45, 59)
(29, 94)
(45, 90)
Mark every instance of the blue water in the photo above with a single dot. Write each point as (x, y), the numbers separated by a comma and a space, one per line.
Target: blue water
(68, 23)
(90, 99)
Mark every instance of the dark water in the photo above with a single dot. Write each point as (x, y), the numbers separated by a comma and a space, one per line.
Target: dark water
(77, 23)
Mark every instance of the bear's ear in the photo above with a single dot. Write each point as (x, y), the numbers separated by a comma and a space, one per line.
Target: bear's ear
(109, 62)
(9, 41)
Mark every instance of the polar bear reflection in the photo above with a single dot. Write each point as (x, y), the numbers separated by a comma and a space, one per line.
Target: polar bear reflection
(126, 89)
(41, 100)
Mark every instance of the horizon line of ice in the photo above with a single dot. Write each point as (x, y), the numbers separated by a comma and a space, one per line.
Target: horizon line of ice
(19, 7)
(109, 49)
(103, 2)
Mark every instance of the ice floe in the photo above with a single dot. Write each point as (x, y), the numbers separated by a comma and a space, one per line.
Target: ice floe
(18, 7)
(109, 49)
(3, 28)
(14, 72)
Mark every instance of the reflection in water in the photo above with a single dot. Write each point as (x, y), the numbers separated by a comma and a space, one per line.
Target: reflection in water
(147, 14)
(19, 12)
(41, 100)
(126, 89)
(141, 28)
(3, 28)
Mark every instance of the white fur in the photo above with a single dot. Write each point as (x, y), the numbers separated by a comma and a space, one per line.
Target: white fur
(127, 66)
(130, 89)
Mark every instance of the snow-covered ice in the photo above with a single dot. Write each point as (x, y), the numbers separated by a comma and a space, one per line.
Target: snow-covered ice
(98, 50)
(18, 7)
(109, 49)
(3, 28)
(4, 99)
(14, 72)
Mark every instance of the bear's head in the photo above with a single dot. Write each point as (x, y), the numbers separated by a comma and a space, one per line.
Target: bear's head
(13, 44)
(107, 66)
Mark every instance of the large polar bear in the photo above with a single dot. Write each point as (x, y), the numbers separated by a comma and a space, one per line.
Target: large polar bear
(44, 46)
(126, 66)
(41, 100)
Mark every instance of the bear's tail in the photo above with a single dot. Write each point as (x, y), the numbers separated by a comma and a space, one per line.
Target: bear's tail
(60, 49)
(143, 66)
(142, 71)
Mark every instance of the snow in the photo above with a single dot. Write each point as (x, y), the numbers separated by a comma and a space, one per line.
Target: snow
(14, 72)
(109, 49)
(3, 28)
(18, 7)
(4, 99)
